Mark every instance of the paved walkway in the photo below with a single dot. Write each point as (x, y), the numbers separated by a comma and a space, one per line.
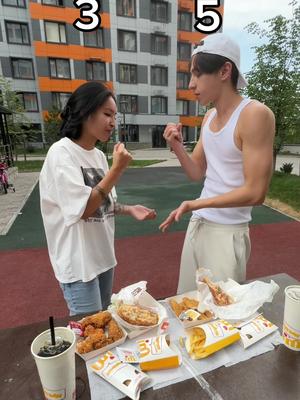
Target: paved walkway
(11, 203)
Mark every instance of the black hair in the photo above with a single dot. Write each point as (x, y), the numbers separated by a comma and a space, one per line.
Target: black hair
(205, 63)
(84, 101)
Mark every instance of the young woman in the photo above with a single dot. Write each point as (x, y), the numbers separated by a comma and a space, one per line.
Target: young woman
(78, 199)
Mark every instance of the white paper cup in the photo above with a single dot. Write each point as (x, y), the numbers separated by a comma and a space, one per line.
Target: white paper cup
(291, 319)
(57, 374)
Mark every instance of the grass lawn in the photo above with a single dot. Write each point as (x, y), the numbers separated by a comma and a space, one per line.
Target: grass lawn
(36, 165)
(286, 188)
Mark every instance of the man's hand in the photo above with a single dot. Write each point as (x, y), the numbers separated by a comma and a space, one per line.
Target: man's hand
(141, 213)
(121, 157)
(176, 214)
(173, 133)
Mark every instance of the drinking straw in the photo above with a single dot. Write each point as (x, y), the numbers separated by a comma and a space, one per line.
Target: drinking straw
(51, 323)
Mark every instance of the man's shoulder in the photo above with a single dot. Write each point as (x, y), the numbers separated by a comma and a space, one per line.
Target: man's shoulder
(256, 109)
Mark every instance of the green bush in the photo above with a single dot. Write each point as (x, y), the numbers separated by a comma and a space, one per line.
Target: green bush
(287, 168)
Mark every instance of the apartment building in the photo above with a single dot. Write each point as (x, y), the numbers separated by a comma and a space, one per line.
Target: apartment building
(141, 50)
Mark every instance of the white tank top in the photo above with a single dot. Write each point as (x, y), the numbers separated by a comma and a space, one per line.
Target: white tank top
(224, 169)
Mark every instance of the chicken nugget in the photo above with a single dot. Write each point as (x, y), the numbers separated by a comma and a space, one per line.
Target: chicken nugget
(177, 308)
(190, 303)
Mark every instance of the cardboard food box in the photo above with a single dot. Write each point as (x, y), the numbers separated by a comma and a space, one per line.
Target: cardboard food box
(209, 338)
(256, 330)
(157, 353)
(190, 313)
(125, 377)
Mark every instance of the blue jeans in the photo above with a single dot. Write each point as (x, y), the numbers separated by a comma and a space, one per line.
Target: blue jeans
(89, 297)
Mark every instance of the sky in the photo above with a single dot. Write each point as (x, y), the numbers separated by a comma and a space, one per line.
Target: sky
(239, 13)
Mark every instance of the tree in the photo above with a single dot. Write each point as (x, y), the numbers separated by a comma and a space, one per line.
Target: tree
(19, 125)
(52, 125)
(275, 78)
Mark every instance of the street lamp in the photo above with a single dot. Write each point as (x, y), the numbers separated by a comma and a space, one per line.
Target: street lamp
(123, 104)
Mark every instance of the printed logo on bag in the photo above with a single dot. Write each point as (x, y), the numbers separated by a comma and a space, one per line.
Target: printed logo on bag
(58, 394)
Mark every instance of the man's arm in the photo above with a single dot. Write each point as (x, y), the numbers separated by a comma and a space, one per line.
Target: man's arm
(141, 213)
(257, 129)
(195, 165)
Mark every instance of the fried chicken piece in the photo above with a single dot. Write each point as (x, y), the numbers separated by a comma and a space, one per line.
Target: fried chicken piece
(176, 307)
(114, 331)
(136, 315)
(89, 343)
(89, 329)
(104, 341)
(190, 303)
(85, 346)
(98, 320)
(219, 296)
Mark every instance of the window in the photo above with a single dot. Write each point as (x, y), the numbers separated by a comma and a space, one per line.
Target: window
(159, 105)
(95, 71)
(55, 32)
(126, 8)
(60, 68)
(128, 73)
(22, 68)
(159, 11)
(29, 101)
(94, 38)
(182, 107)
(14, 3)
(185, 133)
(159, 44)
(126, 40)
(159, 76)
(53, 2)
(17, 33)
(183, 79)
(60, 99)
(132, 133)
(184, 51)
(128, 104)
(184, 21)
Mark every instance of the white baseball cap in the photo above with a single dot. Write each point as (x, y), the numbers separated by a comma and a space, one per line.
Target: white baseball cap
(222, 45)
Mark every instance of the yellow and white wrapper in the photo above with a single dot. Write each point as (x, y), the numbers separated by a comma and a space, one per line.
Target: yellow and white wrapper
(124, 377)
(209, 338)
(158, 353)
(256, 330)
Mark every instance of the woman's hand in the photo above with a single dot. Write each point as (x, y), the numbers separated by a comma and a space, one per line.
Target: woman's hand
(121, 157)
(173, 134)
(141, 213)
(176, 214)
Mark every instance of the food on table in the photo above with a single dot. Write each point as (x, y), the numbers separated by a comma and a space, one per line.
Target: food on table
(99, 330)
(114, 331)
(136, 315)
(98, 320)
(219, 296)
(187, 310)
(197, 340)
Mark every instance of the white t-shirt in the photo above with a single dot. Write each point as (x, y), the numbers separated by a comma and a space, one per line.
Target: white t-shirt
(78, 249)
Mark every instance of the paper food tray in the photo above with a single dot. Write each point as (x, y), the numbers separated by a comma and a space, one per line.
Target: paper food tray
(148, 302)
(95, 353)
(195, 295)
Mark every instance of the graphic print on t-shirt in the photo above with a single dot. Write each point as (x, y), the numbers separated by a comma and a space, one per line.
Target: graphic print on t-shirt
(92, 176)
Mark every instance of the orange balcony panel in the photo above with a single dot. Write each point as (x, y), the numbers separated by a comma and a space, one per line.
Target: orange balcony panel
(190, 120)
(188, 5)
(183, 66)
(182, 94)
(62, 85)
(191, 37)
(76, 52)
(62, 14)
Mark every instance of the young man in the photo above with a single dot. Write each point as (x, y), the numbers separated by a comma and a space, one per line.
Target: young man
(234, 154)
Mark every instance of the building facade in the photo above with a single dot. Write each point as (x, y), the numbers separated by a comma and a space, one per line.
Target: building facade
(141, 51)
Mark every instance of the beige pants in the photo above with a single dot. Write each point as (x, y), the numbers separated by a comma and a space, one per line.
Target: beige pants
(224, 249)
